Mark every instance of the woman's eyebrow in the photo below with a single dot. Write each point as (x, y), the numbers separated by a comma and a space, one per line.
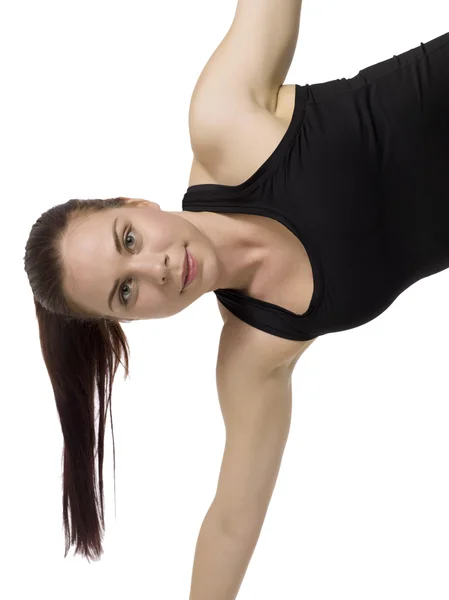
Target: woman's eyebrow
(119, 249)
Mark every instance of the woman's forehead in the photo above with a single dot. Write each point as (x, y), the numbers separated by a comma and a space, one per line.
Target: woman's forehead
(88, 240)
(88, 252)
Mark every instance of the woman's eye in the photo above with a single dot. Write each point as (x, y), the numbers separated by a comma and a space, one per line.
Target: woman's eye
(126, 285)
(129, 234)
(125, 300)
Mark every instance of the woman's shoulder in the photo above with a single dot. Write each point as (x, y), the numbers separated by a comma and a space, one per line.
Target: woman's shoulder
(251, 137)
(256, 348)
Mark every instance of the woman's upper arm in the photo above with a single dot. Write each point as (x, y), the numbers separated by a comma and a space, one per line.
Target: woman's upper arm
(249, 65)
(256, 409)
(254, 384)
(245, 73)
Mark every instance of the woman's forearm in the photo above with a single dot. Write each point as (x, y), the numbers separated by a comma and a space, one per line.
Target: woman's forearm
(221, 560)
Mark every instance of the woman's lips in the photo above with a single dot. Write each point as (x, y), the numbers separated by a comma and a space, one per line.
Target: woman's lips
(184, 269)
(192, 268)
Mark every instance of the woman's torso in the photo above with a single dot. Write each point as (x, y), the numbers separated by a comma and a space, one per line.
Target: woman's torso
(286, 278)
(361, 179)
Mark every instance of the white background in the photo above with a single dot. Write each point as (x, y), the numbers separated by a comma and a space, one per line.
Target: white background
(94, 104)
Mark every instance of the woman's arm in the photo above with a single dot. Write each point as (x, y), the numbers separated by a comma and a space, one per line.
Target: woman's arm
(256, 408)
(249, 65)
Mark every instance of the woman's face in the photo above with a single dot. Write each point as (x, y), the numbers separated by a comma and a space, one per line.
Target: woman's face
(148, 268)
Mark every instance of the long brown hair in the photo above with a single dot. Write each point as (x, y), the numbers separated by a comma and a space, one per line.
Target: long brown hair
(82, 353)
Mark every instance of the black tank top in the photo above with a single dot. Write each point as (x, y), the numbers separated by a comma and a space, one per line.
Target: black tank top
(361, 177)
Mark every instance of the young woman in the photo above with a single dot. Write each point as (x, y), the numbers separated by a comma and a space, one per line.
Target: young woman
(309, 210)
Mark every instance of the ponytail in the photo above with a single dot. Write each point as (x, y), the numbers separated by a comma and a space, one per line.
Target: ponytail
(80, 355)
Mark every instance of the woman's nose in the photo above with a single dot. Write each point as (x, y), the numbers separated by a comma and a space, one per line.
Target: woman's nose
(152, 267)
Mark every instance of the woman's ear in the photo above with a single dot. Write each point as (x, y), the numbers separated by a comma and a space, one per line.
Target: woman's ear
(141, 202)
